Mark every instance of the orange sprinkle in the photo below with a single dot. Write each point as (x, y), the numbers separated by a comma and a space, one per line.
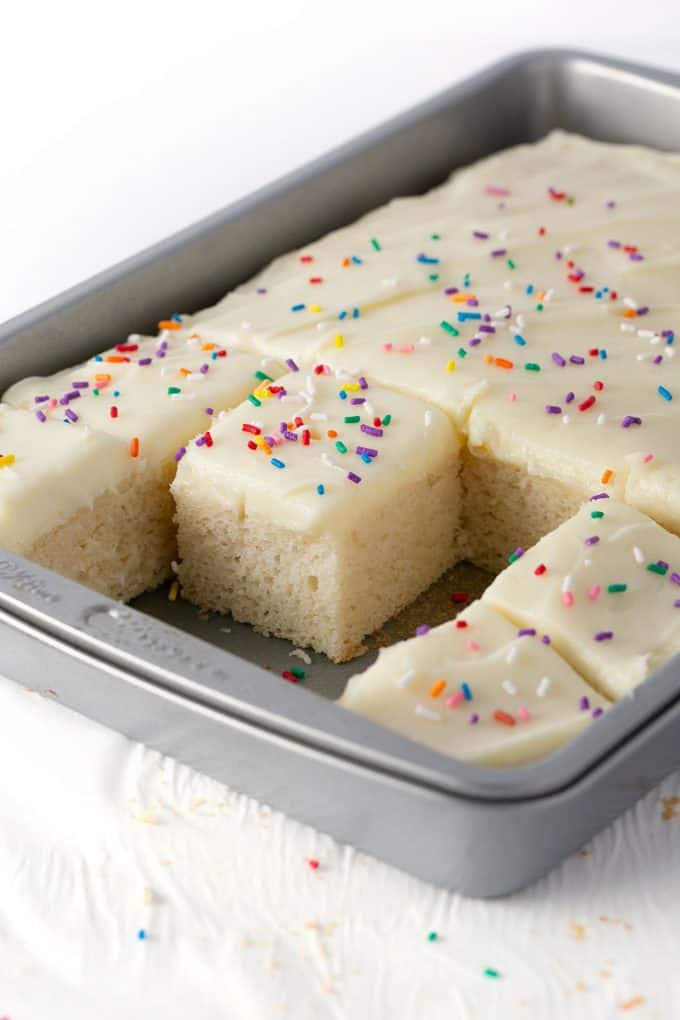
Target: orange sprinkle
(630, 313)
(185, 372)
(345, 262)
(503, 717)
(503, 363)
(169, 324)
(606, 476)
(332, 434)
(117, 359)
(134, 447)
(208, 347)
(462, 298)
(437, 688)
(540, 295)
(488, 359)
(103, 377)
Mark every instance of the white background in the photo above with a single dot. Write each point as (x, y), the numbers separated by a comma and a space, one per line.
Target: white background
(120, 124)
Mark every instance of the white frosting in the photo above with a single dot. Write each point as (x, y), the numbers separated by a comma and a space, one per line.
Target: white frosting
(477, 690)
(140, 384)
(614, 638)
(360, 466)
(55, 469)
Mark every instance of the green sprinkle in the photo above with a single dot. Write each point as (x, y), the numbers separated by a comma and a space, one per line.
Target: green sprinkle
(657, 568)
(614, 588)
(340, 446)
(531, 366)
(570, 200)
(448, 328)
(432, 936)
(262, 376)
(299, 674)
(462, 353)
(512, 557)
(254, 401)
(595, 514)
(173, 389)
(539, 308)
(386, 420)
(352, 419)
(95, 393)
(433, 277)
(435, 237)
(376, 247)
(510, 264)
(491, 972)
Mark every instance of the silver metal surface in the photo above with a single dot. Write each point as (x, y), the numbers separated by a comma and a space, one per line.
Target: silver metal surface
(194, 686)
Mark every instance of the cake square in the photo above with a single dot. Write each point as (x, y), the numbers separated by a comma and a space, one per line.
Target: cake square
(317, 513)
(476, 689)
(605, 586)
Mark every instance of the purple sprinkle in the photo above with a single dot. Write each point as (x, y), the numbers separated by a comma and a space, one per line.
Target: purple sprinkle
(642, 311)
(80, 385)
(366, 450)
(593, 540)
(291, 365)
(160, 354)
(597, 712)
(204, 368)
(497, 252)
(209, 410)
(71, 415)
(546, 639)
(558, 359)
(476, 340)
(290, 436)
(261, 290)
(662, 564)
(480, 234)
(473, 303)
(282, 393)
(677, 603)
(666, 332)
(72, 395)
(569, 397)
(610, 204)
(283, 427)
(353, 478)
(358, 400)
(180, 453)
(604, 635)
(200, 441)
(576, 359)
(675, 577)
(486, 317)
(558, 255)
(451, 290)
(422, 630)
(474, 718)
(270, 441)
(518, 553)
(371, 431)
(614, 244)
(658, 359)
(599, 495)
(362, 382)
(40, 416)
(144, 361)
(635, 256)
(487, 329)
(629, 420)
(584, 704)
(553, 409)
(162, 345)
(40, 400)
(527, 632)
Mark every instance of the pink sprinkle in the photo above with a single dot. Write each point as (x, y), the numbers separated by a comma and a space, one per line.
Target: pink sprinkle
(472, 646)
(406, 348)
(524, 714)
(454, 701)
(567, 598)
(647, 457)
(594, 592)
(513, 398)
(387, 346)
(491, 189)
(52, 403)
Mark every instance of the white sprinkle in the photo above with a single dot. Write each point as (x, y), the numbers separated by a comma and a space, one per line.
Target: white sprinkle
(655, 341)
(643, 357)
(301, 654)
(509, 687)
(428, 419)
(669, 352)
(627, 327)
(543, 686)
(406, 678)
(329, 463)
(427, 713)
(601, 419)
(646, 334)
(520, 320)
(507, 284)
(512, 654)
(638, 554)
(318, 416)
(587, 563)
(368, 409)
(565, 419)
(549, 295)
(502, 313)
(343, 375)
(567, 582)
(629, 303)
(425, 340)
(174, 566)
(392, 281)
(309, 383)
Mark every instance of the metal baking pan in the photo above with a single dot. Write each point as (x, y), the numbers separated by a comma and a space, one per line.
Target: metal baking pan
(194, 686)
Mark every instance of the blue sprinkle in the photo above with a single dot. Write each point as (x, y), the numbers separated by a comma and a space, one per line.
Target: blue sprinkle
(598, 293)
(98, 357)
(343, 394)
(320, 489)
(530, 288)
(603, 354)
(366, 459)
(275, 462)
(342, 315)
(427, 260)
(463, 316)
(175, 317)
(297, 308)
(141, 934)
(116, 393)
(355, 313)
(663, 392)
(519, 340)
(467, 693)
(356, 260)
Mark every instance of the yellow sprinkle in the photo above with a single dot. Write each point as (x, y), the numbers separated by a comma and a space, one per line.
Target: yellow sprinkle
(351, 387)
(174, 591)
(339, 340)
(263, 444)
(450, 366)
(437, 688)
(315, 309)
(7, 460)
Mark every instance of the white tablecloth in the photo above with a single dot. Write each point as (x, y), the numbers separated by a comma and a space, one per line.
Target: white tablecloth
(101, 839)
